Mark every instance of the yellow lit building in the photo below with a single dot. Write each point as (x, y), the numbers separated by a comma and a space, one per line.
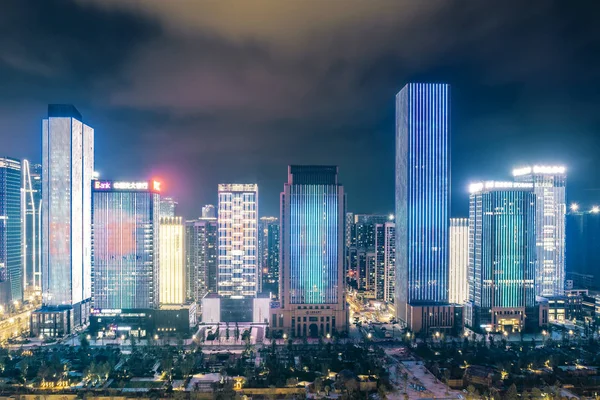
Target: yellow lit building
(172, 265)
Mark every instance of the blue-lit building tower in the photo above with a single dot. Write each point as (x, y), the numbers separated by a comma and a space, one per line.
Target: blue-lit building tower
(422, 206)
(502, 257)
(11, 260)
(313, 208)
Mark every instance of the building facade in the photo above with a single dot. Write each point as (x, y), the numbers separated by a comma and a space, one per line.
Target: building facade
(67, 173)
(201, 257)
(238, 272)
(11, 258)
(583, 252)
(459, 260)
(268, 250)
(312, 284)
(125, 218)
(502, 256)
(549, 186)
(168, 207)
(172, 266)
(385, 269)
(422, 199)
(208, 211)
(31, 228)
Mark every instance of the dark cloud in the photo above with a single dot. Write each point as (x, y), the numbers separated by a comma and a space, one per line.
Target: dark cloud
(205, 92)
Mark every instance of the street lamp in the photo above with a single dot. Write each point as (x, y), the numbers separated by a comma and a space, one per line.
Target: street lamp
(122, 337)
(369, 335)
(505, 333)
(328, 336)
(88, 337)
(284, 336)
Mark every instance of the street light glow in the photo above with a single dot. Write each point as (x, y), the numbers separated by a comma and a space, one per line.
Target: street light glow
(574, 207)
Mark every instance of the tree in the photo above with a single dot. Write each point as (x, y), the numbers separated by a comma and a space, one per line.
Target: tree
(536, 394)
(84, 342)
(511, 393)
(227, 332)
(237, 332)
(166, 363)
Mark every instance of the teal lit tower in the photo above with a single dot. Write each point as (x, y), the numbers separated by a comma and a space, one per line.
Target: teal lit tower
(313, 209)
(502, 256)
(423, 206)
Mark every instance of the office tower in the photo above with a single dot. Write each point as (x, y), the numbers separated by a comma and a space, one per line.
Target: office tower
(312, 283)
(171, 266)
(208, 211)
(67, 173)
(422, 205)
(459, 260)
(201, 257)
(11, 258)
(502, 256)
(385, 270)
(268, 250)
(583, 251)
(549, 184)
(167, 207)
(125, 218)
(31, 204)
(238, 272)
(362, 249)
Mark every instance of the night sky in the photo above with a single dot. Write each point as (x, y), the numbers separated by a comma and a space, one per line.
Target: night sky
(199, 93)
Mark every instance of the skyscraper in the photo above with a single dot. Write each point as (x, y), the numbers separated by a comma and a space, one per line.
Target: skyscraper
(67, 173)
(172, 266)
(125, 217)
(31, 227)
(11, 259)
(502, 256)
(268, 250)
(168, 207)
(583, 252)
(385, 270)
(459, 260)
(422, 204)
(201, 257)
(238, 272)
(313, 208)
(208, 211)
(549, 184)
(362, 249)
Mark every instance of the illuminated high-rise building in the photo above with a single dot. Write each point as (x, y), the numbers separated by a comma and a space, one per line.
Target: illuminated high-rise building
(268, 250)
(168, 207)
(459, 260)
(67, 173)
(361, 253)
(125, 218)
(422, 206)
(171, 266)
(385, 269)
(31, 204)
(549, 186)
(208, 211)
(11, 256)
(313, 208)
(201, 257)
(238, 273)
(583, 251)
(502, 256)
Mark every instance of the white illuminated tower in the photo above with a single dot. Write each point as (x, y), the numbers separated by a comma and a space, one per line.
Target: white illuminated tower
(31, 204)
(459, 260)
(549, 184)
(67, 173)
(238, 272)
(171, 266)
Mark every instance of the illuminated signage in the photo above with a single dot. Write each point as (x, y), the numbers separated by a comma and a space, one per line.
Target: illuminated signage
(479, 186)
(131, 185)
(540, 169)
(156, 186)
(102, 185)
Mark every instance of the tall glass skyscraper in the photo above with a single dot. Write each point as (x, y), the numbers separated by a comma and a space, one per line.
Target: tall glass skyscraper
(268, 250)
(201, 257)
(549, 186)
(502, 256)
(459, 260)
(385, 269)
(313, 208)
(125, 221)
(422, 196)
(238, 272)
(172, 265)
(67, 173)
(31, 227)
(583, 251)
(11, 259)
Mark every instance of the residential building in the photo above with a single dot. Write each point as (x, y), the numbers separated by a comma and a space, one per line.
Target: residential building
(385, 270)
(201, 257)
(168, 207)
(208, 211)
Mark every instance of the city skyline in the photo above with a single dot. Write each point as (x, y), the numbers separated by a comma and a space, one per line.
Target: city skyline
(345, 113)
